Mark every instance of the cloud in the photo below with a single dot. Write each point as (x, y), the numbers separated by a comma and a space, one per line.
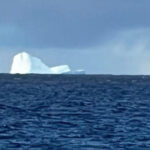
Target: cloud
(73, 24)
(128, 52)
(99, 36)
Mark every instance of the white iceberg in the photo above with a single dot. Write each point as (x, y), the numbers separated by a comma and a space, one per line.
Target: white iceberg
(23, 63)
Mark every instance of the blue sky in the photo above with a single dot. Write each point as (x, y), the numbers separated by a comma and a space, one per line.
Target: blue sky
(100, 36)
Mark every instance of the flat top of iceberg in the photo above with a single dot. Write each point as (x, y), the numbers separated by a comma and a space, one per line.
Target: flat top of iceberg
(60, 69)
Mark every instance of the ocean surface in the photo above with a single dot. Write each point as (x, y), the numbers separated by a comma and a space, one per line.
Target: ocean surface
(74, 112)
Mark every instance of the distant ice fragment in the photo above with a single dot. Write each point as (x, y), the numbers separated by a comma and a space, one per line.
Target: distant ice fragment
(80, 71)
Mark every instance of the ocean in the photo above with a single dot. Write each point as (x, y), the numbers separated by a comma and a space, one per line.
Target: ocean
(74, 112)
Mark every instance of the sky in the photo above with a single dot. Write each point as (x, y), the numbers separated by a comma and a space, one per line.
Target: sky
(99, 36)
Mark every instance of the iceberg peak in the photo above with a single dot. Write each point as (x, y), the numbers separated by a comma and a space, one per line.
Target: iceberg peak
(24, 54)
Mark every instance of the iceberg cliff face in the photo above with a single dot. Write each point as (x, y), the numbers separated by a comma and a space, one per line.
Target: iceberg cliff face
(23, 63)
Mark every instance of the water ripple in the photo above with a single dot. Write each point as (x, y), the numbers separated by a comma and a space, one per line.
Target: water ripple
(74, 112)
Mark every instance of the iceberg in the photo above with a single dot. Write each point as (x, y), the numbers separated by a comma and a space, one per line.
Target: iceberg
(23, 63)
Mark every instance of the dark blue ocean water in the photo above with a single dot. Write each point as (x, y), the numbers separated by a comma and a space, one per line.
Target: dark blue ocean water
(44, 112)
